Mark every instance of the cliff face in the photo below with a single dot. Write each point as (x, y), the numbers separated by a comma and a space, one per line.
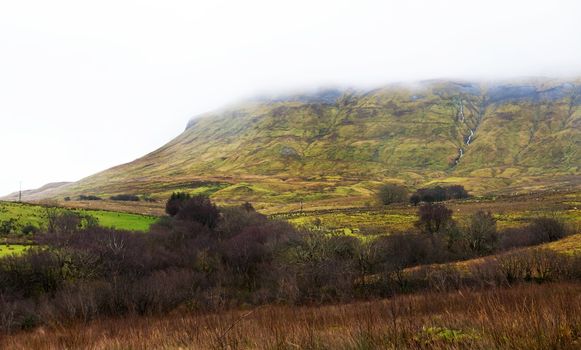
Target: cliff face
(486, 136)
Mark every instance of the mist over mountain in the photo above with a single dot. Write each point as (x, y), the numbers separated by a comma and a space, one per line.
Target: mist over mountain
(339, 143)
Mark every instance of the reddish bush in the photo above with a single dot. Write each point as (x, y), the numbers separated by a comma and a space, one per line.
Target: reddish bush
(433, 218)
(199, 209)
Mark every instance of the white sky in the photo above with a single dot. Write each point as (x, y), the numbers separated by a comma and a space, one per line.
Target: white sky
(86, 85)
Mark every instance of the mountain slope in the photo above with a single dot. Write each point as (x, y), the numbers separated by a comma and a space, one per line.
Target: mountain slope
(489, 137)
(45, 191)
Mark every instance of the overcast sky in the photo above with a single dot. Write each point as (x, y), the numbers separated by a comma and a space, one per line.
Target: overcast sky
(86, 85)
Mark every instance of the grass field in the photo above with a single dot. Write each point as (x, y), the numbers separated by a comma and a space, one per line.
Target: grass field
(122, 221)
(509, 212)
(527, 316)
(29, 214)
(12, 249)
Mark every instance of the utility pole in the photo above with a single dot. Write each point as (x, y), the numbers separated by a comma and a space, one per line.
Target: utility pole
(20, 192)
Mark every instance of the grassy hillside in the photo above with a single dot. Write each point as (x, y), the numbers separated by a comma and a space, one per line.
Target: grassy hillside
(503, 137)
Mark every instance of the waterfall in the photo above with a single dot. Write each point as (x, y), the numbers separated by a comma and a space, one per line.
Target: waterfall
(470, 137)
(460, 154)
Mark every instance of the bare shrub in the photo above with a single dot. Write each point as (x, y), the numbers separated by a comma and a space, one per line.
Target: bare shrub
(515, 267)
(433, 217)
(481, 233)
(548, 229)
(392, 193)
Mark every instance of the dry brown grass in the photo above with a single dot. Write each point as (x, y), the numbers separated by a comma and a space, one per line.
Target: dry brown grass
(527, 316)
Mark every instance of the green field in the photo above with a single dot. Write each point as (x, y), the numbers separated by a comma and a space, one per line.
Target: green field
(29, 214)
(12, 249)
(122, 221)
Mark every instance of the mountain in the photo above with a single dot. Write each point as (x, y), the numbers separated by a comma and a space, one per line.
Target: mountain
(46, 191)
(336, 144)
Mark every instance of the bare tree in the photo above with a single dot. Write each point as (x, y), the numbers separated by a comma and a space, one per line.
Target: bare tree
(51, 213)
(433, 218)
(481, 232)
(392, 193)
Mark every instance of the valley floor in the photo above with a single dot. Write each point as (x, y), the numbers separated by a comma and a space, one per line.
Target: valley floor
(526, 316)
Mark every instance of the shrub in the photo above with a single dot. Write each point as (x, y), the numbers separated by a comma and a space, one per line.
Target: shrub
(175, 202)
(457, 243)
(68, 222)
(33, 274)
(199, 209)
(515, 267)
(8, 226)
(29, 229)
(481, 232)
(396, 252)
(538, 265)
(245, 252)
(415, 199)
(392, 193)
(92, 198)
(517, 237)
(548, 229)
(438, 194)
(148, 198)
(540, 230)
(236, 219)
(319, 268)
(456, 192)
(433, 218)
(125, 197)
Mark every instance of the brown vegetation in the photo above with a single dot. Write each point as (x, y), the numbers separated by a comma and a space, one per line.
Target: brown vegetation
(527, 316)
(204, 259)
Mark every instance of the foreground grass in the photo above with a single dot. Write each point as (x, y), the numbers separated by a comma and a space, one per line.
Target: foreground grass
(527, 316)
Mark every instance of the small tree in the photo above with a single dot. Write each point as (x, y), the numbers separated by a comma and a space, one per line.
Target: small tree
(481, 232)
(392, 193)
(8, 226)
(415, 199)
(29, 229)
(433, 217)
(51, 213)
(175, 202)
(199, 209)
(456, 192)
(68, 222)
